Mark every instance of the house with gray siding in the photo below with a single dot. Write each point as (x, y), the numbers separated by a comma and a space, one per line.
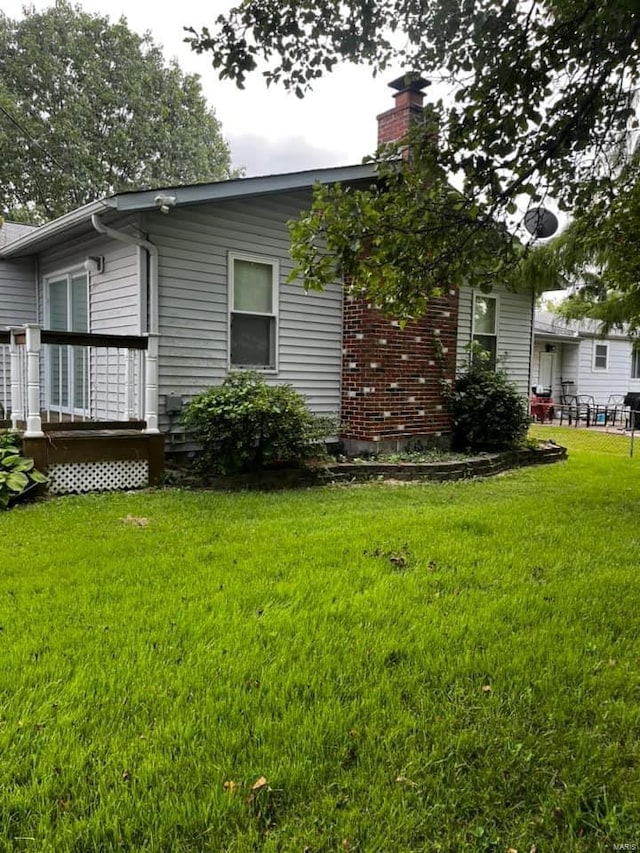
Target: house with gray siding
(143, 299)
(573, 358)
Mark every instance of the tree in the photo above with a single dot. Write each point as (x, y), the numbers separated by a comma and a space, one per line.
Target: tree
(598, 257)
(88, 108)
(541, 94)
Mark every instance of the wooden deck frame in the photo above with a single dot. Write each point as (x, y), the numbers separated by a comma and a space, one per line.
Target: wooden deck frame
(95, 446)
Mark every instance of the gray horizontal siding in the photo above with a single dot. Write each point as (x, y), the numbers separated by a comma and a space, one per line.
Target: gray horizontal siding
(114, 294)
(17, 293)
(18, 305)
(193, 301)
(515, 318)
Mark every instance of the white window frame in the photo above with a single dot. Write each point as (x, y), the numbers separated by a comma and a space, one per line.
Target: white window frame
(635, 364)
(274, 263)
(496, 300)
(67, 273)
(596, 367)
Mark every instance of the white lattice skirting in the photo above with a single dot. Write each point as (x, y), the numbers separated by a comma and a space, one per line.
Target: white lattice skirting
(80, 477)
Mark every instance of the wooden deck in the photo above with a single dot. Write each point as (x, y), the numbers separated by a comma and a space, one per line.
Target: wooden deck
(86, 407)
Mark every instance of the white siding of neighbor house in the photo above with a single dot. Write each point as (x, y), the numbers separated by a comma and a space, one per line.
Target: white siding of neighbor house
(573, 361)
(515, 319)
(616, 379)
(114, 295)
(194, 245)
(565, 366)
(570, 367)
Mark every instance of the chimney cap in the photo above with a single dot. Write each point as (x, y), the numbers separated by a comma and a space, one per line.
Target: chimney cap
(409, 82)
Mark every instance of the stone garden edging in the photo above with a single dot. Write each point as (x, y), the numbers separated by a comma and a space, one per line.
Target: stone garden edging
(486, 465)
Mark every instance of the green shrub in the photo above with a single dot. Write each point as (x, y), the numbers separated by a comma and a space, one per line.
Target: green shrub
(245, 424)
(488, 412)
(18, 477)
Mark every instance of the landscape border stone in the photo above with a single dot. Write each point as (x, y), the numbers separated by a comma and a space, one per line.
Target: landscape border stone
(484, 465)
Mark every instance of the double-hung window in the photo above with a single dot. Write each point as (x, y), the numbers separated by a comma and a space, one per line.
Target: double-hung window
(600, 356)
(68, 369)
(253, 314)
(485, 326)
(635, 364)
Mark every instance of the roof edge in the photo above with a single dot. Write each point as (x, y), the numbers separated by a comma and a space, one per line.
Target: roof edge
(56, 226)
(240, 187)
(138, 200)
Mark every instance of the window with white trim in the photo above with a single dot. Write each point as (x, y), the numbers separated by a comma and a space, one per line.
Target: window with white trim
(600, 356)
(635, 364)
(485, 325)
(67, 310)
(253, 315)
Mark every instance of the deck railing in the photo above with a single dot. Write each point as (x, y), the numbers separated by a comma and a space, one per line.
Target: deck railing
(77, 380)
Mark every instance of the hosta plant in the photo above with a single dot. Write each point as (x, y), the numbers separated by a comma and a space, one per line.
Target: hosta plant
(18, 475)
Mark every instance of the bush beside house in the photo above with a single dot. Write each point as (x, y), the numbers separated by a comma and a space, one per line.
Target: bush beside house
(488, 413)
(245, 424)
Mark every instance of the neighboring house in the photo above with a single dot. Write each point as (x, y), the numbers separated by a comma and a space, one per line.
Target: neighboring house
(199, 273)
(572, 358)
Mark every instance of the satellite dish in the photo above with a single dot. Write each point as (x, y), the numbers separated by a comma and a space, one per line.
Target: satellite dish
(540, 222)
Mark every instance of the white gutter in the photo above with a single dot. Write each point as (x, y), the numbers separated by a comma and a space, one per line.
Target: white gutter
(130, 240)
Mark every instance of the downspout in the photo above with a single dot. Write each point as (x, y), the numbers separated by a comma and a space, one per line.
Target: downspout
(130, 240)
(151, 382)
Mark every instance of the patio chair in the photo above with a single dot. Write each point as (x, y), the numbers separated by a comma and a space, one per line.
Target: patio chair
(576, 408)
(567, 408)
(615, 408)
(586, 409)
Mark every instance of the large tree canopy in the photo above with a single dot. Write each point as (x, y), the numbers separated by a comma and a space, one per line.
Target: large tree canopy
(542, 102)
(88, 107)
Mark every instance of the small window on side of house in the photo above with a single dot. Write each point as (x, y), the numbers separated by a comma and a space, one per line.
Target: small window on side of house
(635, 364)
(253, 319)
(600, 356)
(485, 326)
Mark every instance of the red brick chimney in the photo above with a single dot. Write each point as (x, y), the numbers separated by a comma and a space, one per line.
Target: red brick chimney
(392, 377)
(394, 124)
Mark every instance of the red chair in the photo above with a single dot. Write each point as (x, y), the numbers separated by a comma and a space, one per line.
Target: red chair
(542, 408)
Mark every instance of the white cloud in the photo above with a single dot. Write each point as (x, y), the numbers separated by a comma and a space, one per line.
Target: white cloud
(261, 156)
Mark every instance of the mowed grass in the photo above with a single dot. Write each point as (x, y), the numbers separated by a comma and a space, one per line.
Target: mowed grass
(371, 668)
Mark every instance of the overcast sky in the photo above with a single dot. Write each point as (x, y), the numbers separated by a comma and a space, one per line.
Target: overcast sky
(268, 130)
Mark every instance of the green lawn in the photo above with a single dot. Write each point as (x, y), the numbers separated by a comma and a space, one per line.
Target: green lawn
(410, 668)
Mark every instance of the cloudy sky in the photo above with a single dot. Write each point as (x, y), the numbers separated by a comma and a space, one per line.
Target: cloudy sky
(268, 130)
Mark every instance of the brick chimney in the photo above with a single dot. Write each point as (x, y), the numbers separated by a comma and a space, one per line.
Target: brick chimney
(394, 124)
(392, 376)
